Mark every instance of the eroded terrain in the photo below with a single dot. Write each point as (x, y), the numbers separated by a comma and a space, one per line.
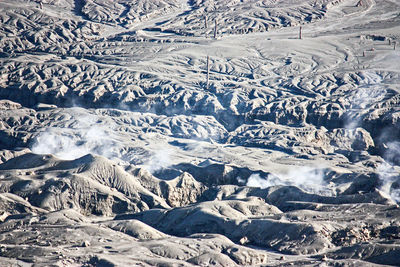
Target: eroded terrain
(184, 133)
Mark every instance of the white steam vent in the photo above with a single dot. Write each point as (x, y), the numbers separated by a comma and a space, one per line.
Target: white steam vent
(308, 179)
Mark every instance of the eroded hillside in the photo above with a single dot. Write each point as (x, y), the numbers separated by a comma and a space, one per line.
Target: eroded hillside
(226, 133)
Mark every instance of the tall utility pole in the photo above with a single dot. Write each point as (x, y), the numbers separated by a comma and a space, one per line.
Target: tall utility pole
(215, 29)
(300, 33)
(208, 72)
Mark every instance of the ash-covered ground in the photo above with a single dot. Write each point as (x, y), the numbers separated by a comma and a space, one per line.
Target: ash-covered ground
(199, 133)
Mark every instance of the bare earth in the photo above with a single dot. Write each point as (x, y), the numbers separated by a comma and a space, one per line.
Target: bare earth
(115, 150)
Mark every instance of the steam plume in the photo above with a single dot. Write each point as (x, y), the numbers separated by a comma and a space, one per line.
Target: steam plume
(307, 178)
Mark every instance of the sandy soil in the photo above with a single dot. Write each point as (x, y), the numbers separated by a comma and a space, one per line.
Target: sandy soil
(198, 133)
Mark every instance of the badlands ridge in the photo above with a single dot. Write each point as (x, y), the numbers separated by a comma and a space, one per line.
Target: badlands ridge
(199, 133)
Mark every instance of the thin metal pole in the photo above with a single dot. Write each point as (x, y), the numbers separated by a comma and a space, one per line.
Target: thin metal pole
(215, 29)
(300, 32)
(208, 72)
